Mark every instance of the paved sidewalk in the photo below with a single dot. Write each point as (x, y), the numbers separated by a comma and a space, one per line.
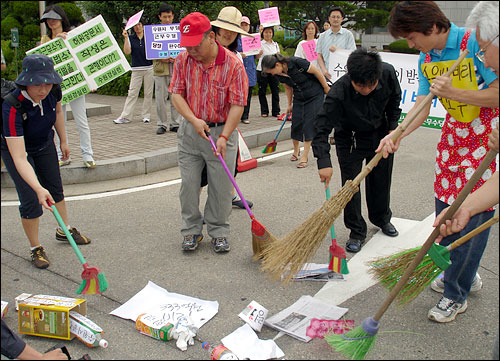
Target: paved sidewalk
(122, 150)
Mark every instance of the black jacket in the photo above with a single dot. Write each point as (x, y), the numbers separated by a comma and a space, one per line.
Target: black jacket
(358, 120)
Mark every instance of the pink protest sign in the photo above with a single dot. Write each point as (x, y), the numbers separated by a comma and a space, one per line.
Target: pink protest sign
(269, 17)
(309, 50)
(249, 45)
(134, 19)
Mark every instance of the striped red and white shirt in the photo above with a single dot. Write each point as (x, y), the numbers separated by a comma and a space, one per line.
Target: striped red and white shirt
(210, 91)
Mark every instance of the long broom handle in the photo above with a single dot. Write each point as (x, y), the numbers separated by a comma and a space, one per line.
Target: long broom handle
(478, 173)
(332, 228)
(66, 232)
(214, 147)
(281, 127)
(473, 233)
(405, 124)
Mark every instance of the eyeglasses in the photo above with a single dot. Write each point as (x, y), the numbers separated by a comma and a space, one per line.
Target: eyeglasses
(480, 53)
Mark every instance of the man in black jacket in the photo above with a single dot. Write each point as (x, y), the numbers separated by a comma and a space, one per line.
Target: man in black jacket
(362, 107)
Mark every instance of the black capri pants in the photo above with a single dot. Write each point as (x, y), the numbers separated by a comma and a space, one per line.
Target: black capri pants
(46, 165)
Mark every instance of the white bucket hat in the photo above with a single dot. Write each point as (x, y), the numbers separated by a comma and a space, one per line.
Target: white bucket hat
(229, 18)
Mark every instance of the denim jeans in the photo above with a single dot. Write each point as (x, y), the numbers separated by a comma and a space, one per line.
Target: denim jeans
(465, 259)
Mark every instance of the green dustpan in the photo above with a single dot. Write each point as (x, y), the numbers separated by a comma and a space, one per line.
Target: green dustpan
(440, 255)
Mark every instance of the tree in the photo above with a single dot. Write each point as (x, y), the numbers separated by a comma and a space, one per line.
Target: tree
(364, 14)
(116, 12)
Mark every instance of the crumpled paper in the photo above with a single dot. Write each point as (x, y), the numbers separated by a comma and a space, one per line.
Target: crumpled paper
(184, 332)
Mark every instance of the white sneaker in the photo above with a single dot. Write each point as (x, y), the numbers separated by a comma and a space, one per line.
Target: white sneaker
(146, 120)
(438, 284)
(121, 121)
(446, 310)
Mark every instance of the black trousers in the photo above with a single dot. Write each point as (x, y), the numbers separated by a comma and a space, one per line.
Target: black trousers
(246, 110)
(377, 189)
(274, 83)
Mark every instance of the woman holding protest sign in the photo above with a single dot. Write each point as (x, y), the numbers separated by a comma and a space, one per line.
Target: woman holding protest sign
(309, 33)
(142, 71)
(58, 26)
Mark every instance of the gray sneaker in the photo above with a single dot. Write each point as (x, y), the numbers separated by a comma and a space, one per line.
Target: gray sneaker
(446, 310)
(221, 244)
(438, 284)
(190, 242)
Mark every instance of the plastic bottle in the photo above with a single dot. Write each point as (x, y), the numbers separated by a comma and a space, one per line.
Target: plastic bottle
(220, 352)
(86, 331)
(152, 326)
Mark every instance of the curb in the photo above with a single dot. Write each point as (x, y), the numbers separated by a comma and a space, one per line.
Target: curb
(144, 163)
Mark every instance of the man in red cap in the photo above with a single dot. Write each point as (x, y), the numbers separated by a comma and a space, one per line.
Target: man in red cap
(209, 89)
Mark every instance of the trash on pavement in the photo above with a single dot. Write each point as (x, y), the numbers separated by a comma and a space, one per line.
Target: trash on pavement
(255, 315)
(86, 330)
(318, 328)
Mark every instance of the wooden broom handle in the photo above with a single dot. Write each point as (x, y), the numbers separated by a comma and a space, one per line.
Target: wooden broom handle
(405, 124)
(473, 233)
(478, 173)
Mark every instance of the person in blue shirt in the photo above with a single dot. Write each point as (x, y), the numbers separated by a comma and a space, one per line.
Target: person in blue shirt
(251, 69)
(29, 152)
(470, 98)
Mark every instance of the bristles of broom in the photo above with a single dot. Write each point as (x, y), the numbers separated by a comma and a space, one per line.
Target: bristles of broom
(389, 270)
(288, 255)
(355, 344)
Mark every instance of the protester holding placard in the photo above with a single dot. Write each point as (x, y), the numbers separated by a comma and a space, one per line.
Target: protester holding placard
(58, 26)
(269, 47)
(362, 107)
(162, 71)
(305, 88)
(310, 35)
(142, 72)
(331, 40)
(470, 98)
(209, 89)
(29, 152)
(251, 69)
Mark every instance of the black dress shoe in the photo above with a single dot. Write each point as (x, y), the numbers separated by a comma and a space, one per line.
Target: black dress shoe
(354, 245)
(389, 230)
(174, 129)
(161, 130)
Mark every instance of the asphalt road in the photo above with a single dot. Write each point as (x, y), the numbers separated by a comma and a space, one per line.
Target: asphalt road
(136, 239)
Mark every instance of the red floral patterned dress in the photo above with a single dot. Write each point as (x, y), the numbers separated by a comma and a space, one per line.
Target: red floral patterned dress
(461, 148)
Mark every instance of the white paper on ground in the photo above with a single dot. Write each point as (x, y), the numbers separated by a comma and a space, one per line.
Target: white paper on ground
(295, 319)
(168, 306)
(245, 344)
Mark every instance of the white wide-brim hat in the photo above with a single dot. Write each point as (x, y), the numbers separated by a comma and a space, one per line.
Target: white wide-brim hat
(229, 18)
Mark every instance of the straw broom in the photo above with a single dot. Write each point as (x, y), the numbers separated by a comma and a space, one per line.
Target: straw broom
(357, 343)
(388, 270)
(284, 258)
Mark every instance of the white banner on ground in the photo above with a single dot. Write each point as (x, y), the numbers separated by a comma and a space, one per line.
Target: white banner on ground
(406, 66)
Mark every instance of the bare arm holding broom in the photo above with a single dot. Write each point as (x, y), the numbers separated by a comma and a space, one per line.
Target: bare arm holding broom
(485, 197)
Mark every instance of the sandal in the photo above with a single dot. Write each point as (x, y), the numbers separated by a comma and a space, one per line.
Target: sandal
(354, 245)
(264, 115)
(302, 164)
(294, 158)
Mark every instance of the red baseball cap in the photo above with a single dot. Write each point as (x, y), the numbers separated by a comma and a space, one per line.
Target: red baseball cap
(192, 28)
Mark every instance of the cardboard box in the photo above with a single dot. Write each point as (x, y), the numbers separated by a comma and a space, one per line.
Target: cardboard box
(48, 316)
(20, 298)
